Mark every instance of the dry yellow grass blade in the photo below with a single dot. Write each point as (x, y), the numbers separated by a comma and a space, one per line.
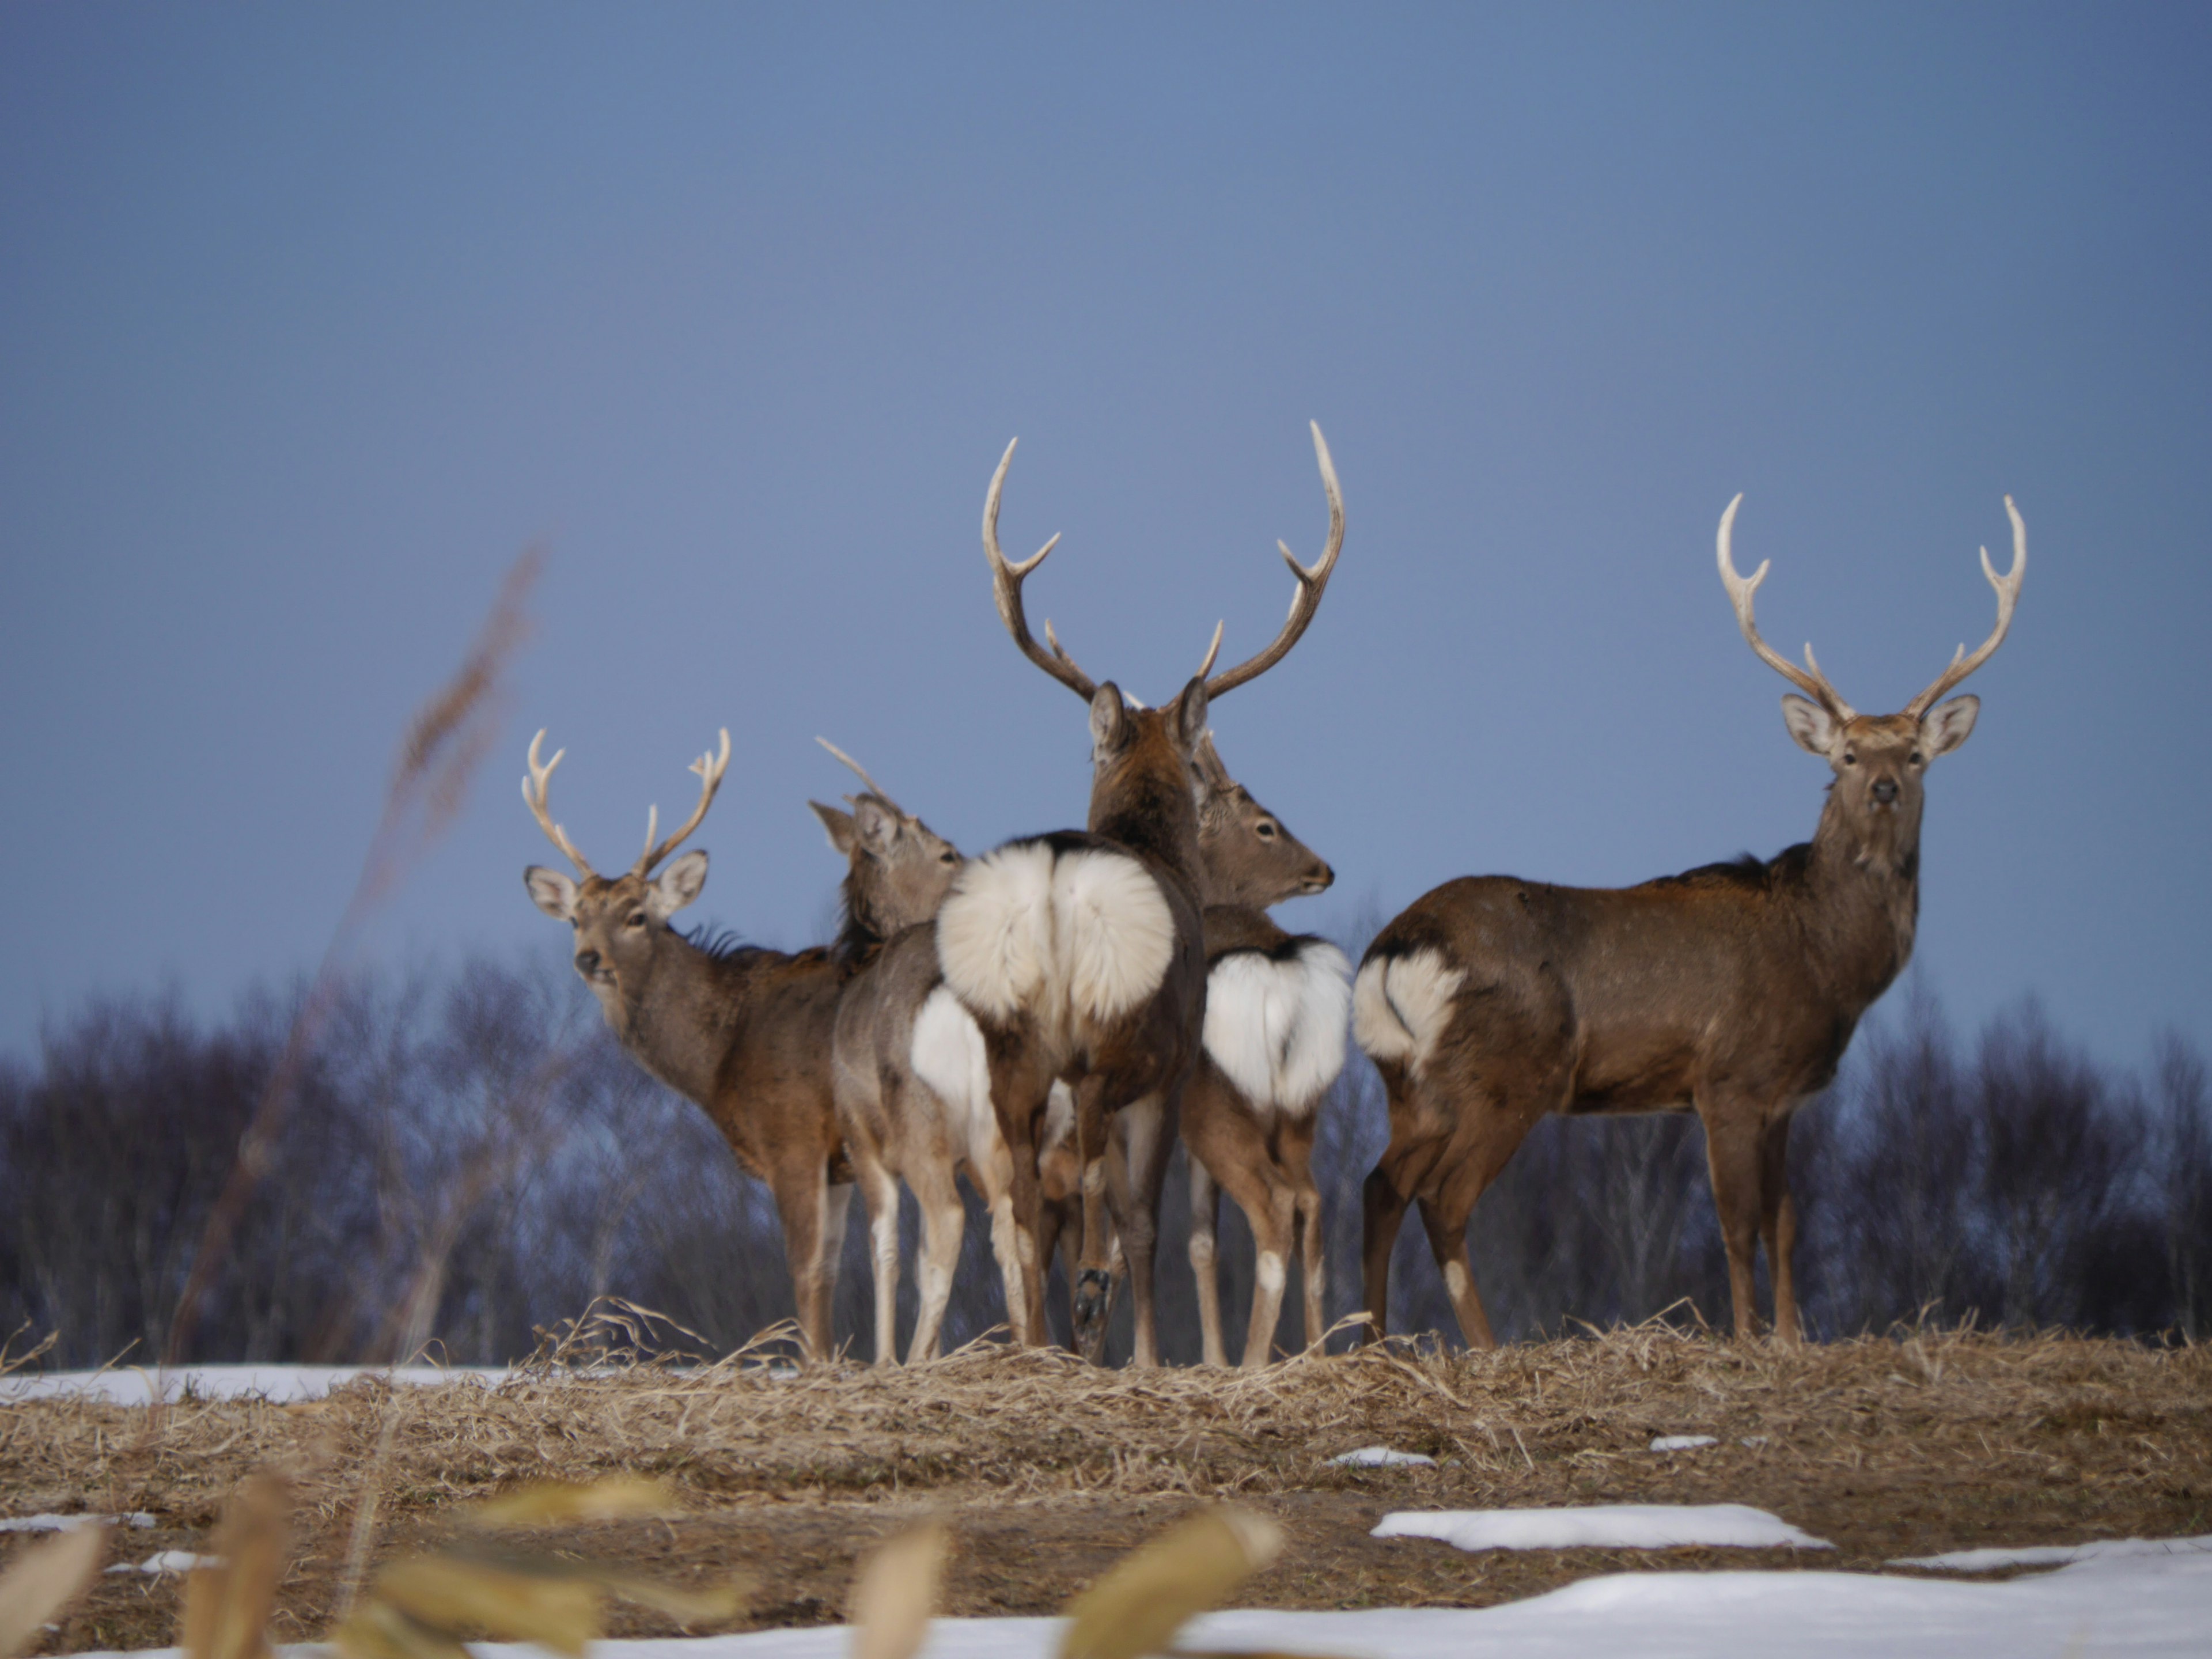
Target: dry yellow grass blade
(377, 1630)
(895, 1595)
(717, 1606)
(1139, 1605)
(564, 1502)
(227, 1606)
(45, 1579)
(452, 1595)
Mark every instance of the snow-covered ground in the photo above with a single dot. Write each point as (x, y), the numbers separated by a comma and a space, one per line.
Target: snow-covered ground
(283, 1383)
(2152, 1606)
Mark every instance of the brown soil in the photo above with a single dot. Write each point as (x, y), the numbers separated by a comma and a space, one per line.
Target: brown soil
(1049, 1469)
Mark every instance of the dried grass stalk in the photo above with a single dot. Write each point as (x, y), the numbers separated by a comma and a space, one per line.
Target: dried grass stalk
(227, 1605)
(45, 1579)
(1150, 1594)
(896, 1593)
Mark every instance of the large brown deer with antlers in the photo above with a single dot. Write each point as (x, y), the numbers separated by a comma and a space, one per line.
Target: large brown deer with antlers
(1081, 955)
(741, 1032)
(1731, 990)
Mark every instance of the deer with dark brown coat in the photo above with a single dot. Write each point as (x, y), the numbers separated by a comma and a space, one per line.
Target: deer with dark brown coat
(1081, 955)
(1731, 990)
(743, 1032)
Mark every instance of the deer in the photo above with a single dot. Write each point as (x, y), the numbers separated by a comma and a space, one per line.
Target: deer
(1731, 990)
(1080, 954)
(913, 1088)
(741, 1032)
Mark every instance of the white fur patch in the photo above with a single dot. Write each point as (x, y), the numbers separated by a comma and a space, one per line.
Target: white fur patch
(1270, 1271)
(948, 1056)
(1401, 1005)
(1059, 1120)
(995, 930)
(1276, 1028)
(1084, 937)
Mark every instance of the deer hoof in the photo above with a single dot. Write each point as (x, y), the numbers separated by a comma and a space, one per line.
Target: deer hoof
(1094, 1289)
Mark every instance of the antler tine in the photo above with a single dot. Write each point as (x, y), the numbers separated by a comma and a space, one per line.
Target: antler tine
(534, 788)
(1007, 588)
(2008, 587)
(1212, 651)
(1311, 583)
(874, 788)
(1813, 683)
(710, 768)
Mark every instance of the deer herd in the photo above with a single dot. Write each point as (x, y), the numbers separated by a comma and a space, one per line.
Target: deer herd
(1047, 1018)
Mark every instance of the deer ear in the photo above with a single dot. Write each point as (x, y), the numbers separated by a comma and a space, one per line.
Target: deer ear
(1813, 727)
(840, 826)
(551, 891)
(1190, 717)
(678, 886)
(1947, 724)
(1109, 720)
(878, 826)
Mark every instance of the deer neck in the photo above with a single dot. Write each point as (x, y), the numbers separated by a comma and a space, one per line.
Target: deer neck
(677, 1022)
(1149, 809)
(1865, 893)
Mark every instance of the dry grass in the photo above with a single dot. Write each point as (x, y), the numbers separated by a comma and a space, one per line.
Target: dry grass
(1046, 1469)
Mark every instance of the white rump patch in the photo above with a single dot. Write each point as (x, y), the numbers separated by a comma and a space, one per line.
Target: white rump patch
(1087, 936)
(1276, 1028)
(1401, 1005)
(1115, 932)
(948, 1057)
(994, 929)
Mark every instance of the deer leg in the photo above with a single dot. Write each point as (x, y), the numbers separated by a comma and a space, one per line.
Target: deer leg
(945, 1222)
(1382, 1212)
(879, 1196)
(1095, 1279)
(992, 1168)
(1205, 1205)
(1295, 1153)
(1778, 1224)
(1142, 1137)
(1732, 1154)
(1017, 1097)
(802, 1205)
(1446, 1219)
(1274, 1229)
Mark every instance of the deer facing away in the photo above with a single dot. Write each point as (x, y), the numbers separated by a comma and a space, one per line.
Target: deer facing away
(1731, 990)
(1080, 954)
(744, 1032)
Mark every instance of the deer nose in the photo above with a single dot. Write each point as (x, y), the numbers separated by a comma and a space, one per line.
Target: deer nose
(1322, 877)
(1885, 790)
(587, 962)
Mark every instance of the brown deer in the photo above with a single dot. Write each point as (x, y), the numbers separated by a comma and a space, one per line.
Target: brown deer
(744, 1032)
(1081, 954)
(1276, 1005)
(913, 1084)
(1731, 989)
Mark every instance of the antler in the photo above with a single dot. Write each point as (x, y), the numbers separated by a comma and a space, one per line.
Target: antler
(534, 789)
(2008, 587)
(874, 788)
(710, 768)
(1007, 588)
(1813, 683)
(1306, 600)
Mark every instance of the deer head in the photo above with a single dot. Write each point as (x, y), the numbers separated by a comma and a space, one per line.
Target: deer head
(1144, 777)
(898, 868)
(1249, 858)
(1881, 760)
(620, 923)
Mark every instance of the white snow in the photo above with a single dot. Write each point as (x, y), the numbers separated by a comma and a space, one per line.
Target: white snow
(1381, 1458)
(163, 1561)
(1667, 1442)
(2141, 1606)
(2058, 1555)
(282, 1383)
(70, 1522)
(1603, 1526)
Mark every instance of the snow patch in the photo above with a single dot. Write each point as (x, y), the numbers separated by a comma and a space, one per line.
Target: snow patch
(1381, 1458)
(1667, 1442)
(2059, 1555)
(278, 1383)
(163, 1561)
(1603, 1527)
(70, 1523)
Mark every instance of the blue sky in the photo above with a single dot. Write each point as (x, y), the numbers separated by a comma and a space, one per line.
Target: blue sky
(312, 318)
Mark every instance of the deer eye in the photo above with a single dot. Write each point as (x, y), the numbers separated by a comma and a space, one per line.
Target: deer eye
(1916, 757)
(948, 856)
(1266, 830)
(635, 919)
(1850, 760)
